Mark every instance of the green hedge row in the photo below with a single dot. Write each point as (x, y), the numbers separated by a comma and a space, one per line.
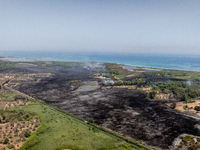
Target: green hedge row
(32, 141)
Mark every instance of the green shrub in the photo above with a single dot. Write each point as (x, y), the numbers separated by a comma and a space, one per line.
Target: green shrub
(189, 101)
(42, 128)
(155, 88)
(187, 138)
(27, 133)
(197, 108)
(166, 91)
(11, 146)
(32, 141)
(90, 120)
(20, 113)
(6, 141)
(26, 117)
(184, 97)
(95, 130)
(126, 145)
(185, 107)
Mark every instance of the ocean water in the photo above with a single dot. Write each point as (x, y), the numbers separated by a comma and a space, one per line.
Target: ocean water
(167, 61)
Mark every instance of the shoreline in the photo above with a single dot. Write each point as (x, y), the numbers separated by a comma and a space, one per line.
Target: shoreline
(29, 59)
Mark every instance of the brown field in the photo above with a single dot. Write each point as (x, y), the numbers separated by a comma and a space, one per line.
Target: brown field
(11, 127)
(180, 105)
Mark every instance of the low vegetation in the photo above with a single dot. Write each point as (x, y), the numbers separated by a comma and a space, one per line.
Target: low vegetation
(197, 108)
(139, 82)
(113, 71)
(58, 63)
(7, 65)
(179, 89)
(8, 96)
(178, 74)
(185, 85)
(190, 143)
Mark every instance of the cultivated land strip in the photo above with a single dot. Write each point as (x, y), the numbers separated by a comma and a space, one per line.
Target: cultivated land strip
(134, 144)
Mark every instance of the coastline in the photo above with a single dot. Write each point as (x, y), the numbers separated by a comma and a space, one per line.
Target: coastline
(29, 59)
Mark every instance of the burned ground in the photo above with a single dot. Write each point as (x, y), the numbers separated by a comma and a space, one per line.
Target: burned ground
(125, 111)
(129, 113)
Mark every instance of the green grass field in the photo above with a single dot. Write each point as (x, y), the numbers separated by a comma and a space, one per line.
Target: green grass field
(59, 131)
(8, 96)
(115, 71)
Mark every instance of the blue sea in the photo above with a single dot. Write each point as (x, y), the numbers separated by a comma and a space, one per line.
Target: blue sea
(166, 61)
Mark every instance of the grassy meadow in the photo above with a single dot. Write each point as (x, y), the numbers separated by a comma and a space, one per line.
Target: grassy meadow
(58, 131)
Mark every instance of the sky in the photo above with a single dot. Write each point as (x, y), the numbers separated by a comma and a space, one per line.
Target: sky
(171, 26)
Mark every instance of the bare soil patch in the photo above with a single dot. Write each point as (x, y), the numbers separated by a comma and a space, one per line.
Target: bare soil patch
(190, 107)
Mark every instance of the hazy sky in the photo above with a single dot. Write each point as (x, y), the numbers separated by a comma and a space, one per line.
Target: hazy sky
(95, 25)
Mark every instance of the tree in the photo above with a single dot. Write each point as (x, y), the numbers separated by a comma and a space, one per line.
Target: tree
(197, 108)
(184, 97)
(152, 94)
(6, 141)
(90, 120)
(27, 133)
